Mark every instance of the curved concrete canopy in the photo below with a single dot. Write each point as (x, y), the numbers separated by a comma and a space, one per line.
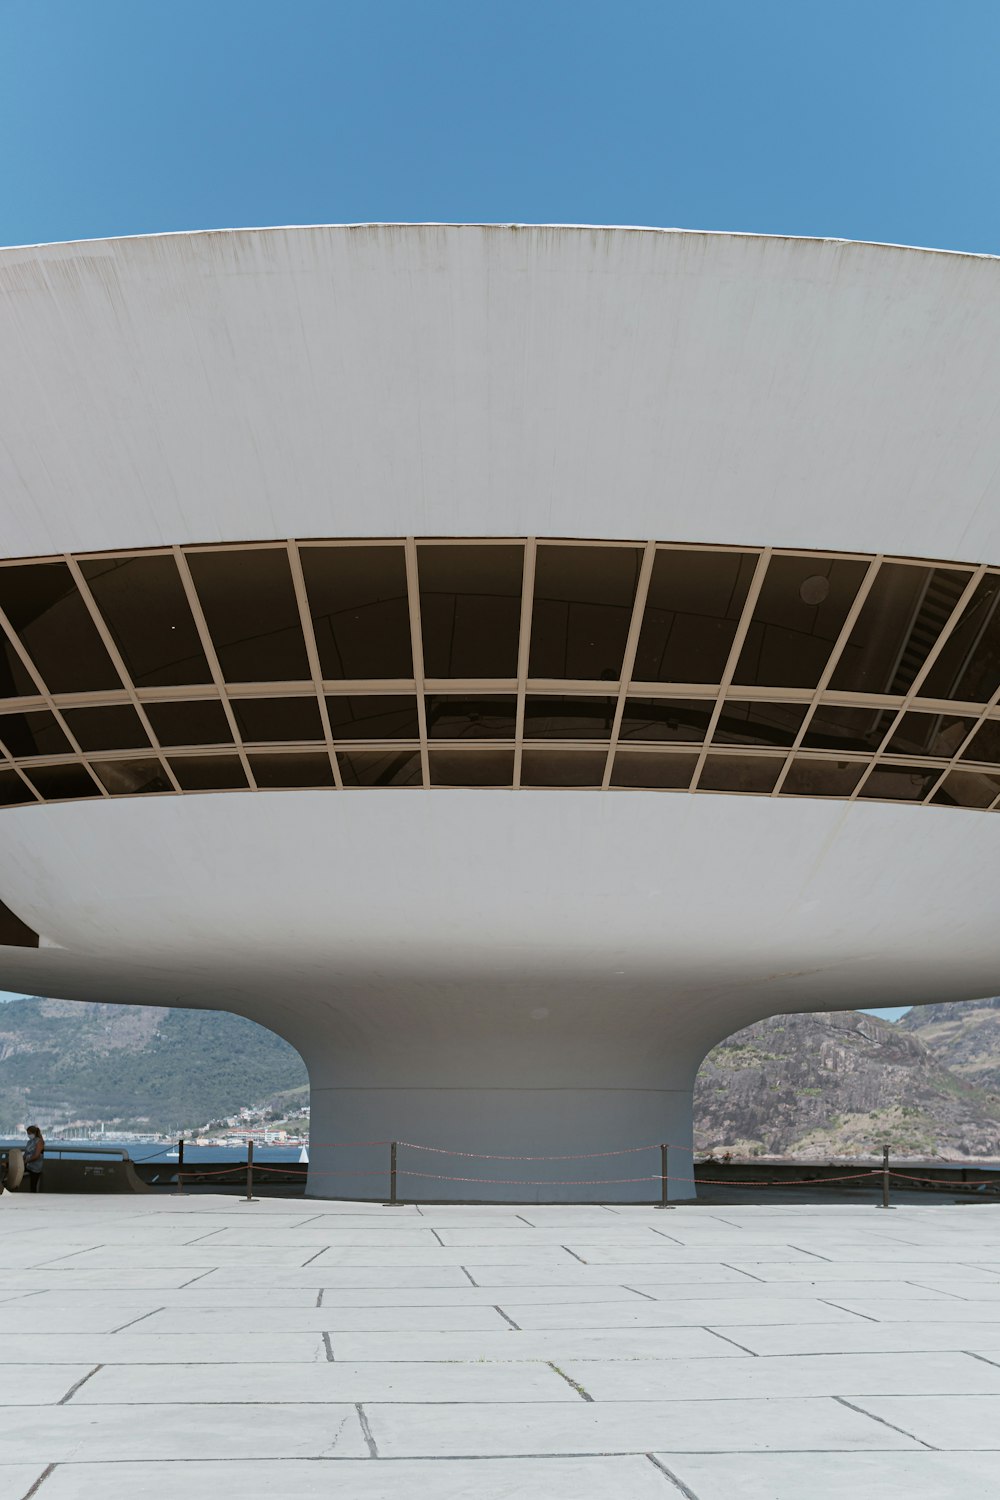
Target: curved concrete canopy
(544, 973)
(469, 380)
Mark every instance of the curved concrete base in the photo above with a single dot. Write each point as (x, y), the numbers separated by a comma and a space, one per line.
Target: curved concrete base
(524, 974)
(503, 1075)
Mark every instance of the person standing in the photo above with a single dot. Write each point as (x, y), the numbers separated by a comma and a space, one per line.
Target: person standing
(34, 1158)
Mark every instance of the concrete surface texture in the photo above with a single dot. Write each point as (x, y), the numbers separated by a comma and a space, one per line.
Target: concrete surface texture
(164, 1347)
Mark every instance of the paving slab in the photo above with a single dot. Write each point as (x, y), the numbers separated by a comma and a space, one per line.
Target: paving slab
(548, 1343)
(39, 1385)
(837, 1476)
(970, 1422)
(16, 1480)
(626, 1477)
(782, 1376)
(412, 1431)
(136, 1348)
(63, 1434)
(875, 1271)
(865, 1336)
(217, 1384)
(683, 1312)
(264, 1318)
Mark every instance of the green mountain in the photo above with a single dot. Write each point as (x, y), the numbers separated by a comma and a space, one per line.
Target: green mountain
(67, 1062)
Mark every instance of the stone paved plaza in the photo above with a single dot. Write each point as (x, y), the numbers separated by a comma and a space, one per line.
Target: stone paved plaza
(167, 1347)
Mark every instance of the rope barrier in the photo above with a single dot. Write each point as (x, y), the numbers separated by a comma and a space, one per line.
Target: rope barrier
(948, 1182)
(578, 1156)
(286, 1169)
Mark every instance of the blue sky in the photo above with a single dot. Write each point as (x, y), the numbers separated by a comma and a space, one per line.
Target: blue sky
(864, 119)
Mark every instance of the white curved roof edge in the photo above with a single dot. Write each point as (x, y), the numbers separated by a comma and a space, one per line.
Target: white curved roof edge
(730, 234)
(433, 380)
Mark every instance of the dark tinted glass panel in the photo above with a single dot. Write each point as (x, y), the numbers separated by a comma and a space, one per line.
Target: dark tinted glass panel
(929, 735)
(13, 790)
(278, 719)
(900, 783)
(34, 733)
(692, 610)
(582, 611)
(838, 726)
(471, 718)
(968, 662)
(978, 676)
(901, 619)
(129, 778)
(799, 613)
(660, 772)
(15, 679)
(379, 767)
(360, 612)
(562, 767)
(55, 782)
(568, 718)
(208, 773)
(309, 769)
(740, 773)
(968, 789)
(200, 722)
(373, 717)
(46, 609)
(249, 603)
(758, 723)
(684, 720)
(117, 727)
(472, 767)
(822, 778)
(144, 606)
(470, 609)
(985, 743)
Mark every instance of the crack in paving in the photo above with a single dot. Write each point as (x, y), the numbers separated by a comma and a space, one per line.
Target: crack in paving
(366, 1430)
(867, 1316)
(200, 1277)
(507, 1319)
(584, 1395)
(49, 1469)
(678, 1483)
(882, 1421)
(132, 1322)
(726, 1339)
(328, 1346)
(82, 1381)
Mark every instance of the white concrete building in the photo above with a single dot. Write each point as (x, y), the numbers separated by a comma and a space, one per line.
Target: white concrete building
(517, 659)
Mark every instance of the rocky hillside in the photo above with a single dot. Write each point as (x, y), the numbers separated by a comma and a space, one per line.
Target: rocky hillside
(966, 1037)
(63, 1061)
(840, 1083)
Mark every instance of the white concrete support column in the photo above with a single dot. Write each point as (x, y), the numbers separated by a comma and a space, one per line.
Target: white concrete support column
(525, 1072)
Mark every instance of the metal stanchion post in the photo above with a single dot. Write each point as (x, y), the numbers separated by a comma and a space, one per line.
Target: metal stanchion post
(885, 1177)
(180, 1165)
(250, 1197)
(393, 1200)
(664, 1178)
